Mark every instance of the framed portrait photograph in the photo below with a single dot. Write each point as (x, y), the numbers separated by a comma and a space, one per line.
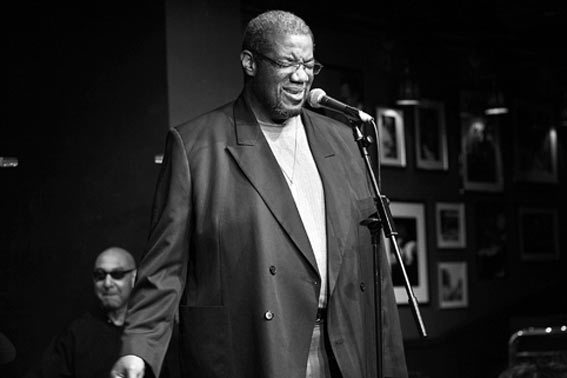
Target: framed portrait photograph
(430, 136)
(490, 239)
(453, 285)
(481, 153)
(535, 144)
(539, 234)
(450, 225)
(391, 131)
(409, 222)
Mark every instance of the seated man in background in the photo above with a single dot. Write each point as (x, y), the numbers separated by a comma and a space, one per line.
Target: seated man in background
(90, 344)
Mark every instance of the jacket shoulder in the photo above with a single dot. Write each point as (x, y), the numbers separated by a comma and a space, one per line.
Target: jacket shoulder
(222, 113)
(208, 126)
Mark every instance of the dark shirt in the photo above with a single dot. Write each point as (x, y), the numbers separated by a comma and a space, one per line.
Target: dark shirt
(87, 348)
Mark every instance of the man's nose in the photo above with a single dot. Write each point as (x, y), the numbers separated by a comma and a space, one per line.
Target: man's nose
(108, 280)
(300, 74)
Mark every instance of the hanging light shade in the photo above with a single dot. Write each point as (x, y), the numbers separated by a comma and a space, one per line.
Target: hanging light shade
(496, 103)
(408, 91)
(8, 162)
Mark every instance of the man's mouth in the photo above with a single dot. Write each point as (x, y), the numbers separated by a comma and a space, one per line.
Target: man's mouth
(296, 94)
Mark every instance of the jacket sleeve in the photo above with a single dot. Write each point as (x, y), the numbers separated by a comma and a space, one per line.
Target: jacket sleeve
(162, 272)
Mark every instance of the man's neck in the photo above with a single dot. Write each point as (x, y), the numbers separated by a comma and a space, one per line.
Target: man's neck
(259, 112)
(117, 317)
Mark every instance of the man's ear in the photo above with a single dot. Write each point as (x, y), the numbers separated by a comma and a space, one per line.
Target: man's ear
(248, 63)
(134, 275)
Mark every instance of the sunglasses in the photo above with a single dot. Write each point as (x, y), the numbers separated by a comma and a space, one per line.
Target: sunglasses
(100, 274)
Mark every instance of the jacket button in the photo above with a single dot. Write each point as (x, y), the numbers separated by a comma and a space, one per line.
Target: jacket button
(273, 270)
(269, 315)
(362, 286)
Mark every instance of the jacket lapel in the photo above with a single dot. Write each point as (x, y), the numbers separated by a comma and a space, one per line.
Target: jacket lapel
(337, 197)
(254, 156)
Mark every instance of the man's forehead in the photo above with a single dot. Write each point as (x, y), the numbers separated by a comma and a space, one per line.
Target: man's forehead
(114, 258)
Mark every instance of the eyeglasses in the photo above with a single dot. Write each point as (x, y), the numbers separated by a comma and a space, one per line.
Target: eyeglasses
(311, 67)
(100, 274)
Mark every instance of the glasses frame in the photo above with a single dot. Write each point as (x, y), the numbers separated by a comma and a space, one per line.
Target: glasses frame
(315, 67)
(121, 274)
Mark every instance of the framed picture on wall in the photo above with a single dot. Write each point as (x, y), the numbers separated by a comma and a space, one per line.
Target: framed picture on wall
(453, 285)
(430, 136)
(539, 234)
(409, 222)
(490, 238)
(481, 154)
(392, 137)
(535, 144)
(450, 225)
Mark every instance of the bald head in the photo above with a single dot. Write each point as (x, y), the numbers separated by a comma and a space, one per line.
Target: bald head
(114, 274)
(117, 255)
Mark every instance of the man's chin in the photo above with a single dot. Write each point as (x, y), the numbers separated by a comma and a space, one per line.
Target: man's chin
(109, 304)
(288, 112)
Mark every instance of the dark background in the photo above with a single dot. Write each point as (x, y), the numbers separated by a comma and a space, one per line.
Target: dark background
(91, 90)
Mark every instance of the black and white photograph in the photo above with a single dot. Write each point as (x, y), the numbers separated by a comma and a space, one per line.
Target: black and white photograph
(490, 241)
(431, 136)
(409, 221)
(453, 285)
(282, 189)
(481, 154)
(538, 229)
(392, 146)
(450, 225)
(535, 146)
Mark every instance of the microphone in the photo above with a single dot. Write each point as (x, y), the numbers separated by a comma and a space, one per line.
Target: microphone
(319, 99)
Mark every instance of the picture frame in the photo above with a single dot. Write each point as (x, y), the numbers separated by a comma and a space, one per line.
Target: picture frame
(481, 153)
(539, 234)
(453, 285)
(491, 238)
(430, 136)
(535, 144)
(409, 221)
(391, 131)
(450, 224)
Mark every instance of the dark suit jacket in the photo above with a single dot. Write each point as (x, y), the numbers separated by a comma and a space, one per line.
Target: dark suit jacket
(228, 250)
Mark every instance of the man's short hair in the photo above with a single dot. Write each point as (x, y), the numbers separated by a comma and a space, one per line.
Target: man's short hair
(272, 23)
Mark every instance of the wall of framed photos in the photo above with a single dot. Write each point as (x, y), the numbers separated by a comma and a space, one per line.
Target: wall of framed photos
(483, 190)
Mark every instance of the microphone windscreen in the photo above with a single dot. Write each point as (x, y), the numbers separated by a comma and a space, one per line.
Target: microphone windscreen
(315, 97)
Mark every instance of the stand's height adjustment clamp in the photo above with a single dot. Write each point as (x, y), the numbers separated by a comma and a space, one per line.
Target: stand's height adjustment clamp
(373, 222)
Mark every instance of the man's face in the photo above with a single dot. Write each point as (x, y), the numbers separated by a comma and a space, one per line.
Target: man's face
(113, 278)
(281, 92)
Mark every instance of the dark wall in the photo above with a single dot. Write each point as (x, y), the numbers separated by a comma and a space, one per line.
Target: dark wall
(87, 112)
(203, 64)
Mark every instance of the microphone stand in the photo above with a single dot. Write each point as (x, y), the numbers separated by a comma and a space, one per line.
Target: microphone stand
(382, 219)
